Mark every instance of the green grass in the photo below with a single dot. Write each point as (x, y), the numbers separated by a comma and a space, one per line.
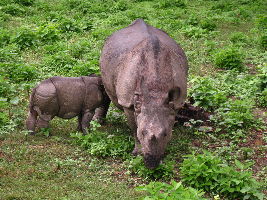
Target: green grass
(65, 37)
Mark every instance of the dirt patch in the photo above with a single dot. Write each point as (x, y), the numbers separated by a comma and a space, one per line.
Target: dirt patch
(189, 111)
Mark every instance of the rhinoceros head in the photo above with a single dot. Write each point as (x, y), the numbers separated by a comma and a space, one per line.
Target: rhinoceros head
(155, 115)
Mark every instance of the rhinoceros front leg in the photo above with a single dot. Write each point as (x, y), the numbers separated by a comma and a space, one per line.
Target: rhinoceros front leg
(31, 121)
(86, 118)
(131, 122)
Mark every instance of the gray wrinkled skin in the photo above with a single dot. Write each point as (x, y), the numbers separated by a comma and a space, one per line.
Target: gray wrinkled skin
(67, 97)
(144, 72)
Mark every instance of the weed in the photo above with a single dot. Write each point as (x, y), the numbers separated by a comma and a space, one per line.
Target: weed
(25, 2)
(235, 114)
(163, 171)
(208, 24)
(68, 25)
(158, 190)
(9, 53)
(194, 32)
(61, 62)
(263, 41)
(170, 4)
(229, 58)
(261, 22)
(4, 38)
(208, 172)
(48, 32)
(103, 144)
(205, 94)
(20, 72)
(238, 37)
(25, 37)
(13, 9)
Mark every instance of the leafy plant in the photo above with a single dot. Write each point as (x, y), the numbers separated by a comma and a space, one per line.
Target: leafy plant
(204, 93)
(170, 3)
(229, 58)
(60, 62)
(20, 72)
(4, 38)
(208, 172)
(68, 25)
(103, 144)
(25, 38)
(238, 37)
(4, 118)
(163, 171)
(235, 114)
(25, 2)
(208, 24)
(48, 32)
(158, 191)
(194, 32)
(13, 9)
(263, 41)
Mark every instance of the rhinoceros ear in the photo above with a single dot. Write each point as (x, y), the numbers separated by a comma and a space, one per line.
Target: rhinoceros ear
(176, 98)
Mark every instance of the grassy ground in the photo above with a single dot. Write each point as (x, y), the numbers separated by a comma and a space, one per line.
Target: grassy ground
(44, 38)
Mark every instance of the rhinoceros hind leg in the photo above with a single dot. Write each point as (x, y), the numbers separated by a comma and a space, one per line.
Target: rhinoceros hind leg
(86, 118)
(101, 112)
(31, 121)
(79, 127)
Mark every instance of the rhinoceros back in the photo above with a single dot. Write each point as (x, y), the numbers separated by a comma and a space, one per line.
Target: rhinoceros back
(141, 50)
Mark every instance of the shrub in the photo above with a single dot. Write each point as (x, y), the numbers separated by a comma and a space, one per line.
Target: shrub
(79, 48)
(4, 88)
(4, 38)
(261, 22)
(9, 53)
(25, 2)
(20, 72)
(170, 4)
(238, 37)
(208, 172)
(103, 144)
(223, 6)
(158, 191)
(263, 41)
(13, 9)
(204, 93)
(83, 69)
(48, 32)
(163, 171)
(194, 32)
(4, 118)
(60, 62)
(68, 25)
(229, 58)
(235, 114)
(208, 24)
(25, 38)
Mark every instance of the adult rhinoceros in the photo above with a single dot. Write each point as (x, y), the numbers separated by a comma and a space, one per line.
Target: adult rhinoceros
(144, 72)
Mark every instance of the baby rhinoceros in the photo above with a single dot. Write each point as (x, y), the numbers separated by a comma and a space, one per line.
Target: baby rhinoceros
(67, 97)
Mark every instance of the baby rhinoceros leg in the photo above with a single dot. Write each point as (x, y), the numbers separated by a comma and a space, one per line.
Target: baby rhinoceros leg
(31, 121)
(86, 118)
